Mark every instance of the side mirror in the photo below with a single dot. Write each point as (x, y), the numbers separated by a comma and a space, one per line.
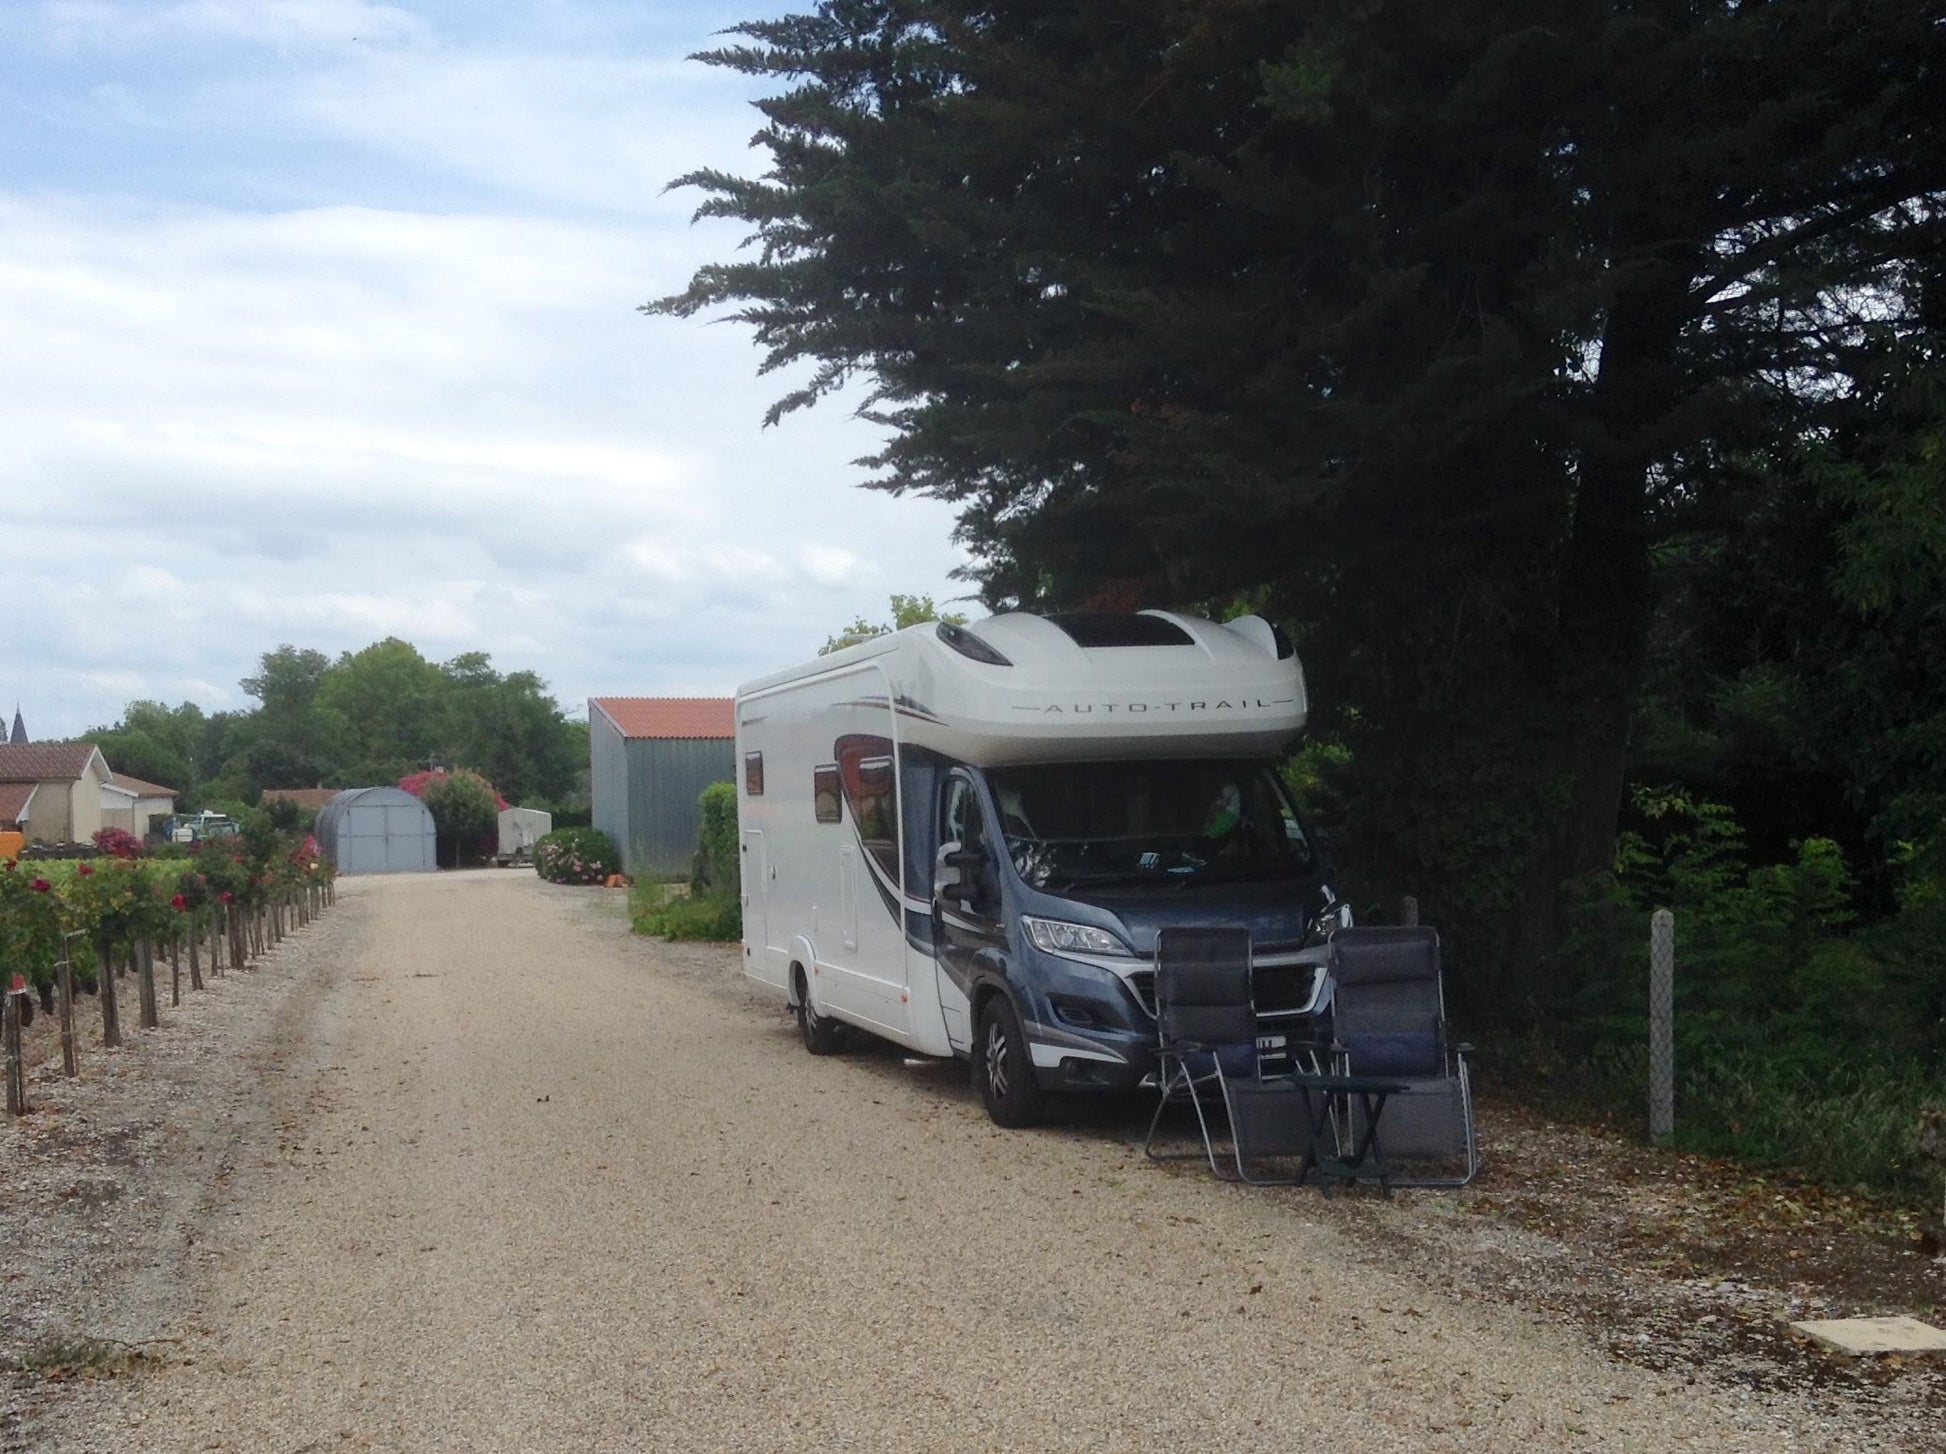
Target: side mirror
(955, 869)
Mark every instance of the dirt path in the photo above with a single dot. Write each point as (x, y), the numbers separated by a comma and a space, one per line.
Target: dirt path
(536, 1186)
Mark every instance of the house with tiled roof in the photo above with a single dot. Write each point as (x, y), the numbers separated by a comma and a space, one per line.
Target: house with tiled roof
(51, 791)
(649, 759)
(129, 802)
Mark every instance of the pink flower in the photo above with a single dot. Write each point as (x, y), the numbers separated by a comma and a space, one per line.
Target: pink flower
(225, 897)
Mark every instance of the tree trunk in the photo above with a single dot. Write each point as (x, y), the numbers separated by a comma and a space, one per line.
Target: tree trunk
(1605, 604)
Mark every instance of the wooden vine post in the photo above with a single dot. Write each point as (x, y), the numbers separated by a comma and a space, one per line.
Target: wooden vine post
(111, 1014)
(16, 996)
(145, 982)
(195, 959)
(64, 980)
(175, 969)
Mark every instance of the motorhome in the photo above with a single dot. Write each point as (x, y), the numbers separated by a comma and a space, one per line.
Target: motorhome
(964, 839)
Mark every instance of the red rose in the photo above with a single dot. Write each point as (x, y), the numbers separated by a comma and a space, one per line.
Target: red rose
(179, 903)
(40, 886)
(225, 897)
(84, 869)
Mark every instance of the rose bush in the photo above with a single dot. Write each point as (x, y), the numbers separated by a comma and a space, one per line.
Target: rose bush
(575, 856)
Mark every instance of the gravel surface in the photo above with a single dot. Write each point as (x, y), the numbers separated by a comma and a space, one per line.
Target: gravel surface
(465, 1167)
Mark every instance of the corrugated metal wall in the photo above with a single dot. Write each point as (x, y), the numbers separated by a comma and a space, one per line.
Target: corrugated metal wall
(608, 781)
(645, 793)
(665, 777)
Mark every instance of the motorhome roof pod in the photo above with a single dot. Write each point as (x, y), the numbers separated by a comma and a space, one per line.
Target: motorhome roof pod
(1020, 688)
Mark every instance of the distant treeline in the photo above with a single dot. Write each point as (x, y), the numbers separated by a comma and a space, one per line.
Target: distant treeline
(371, 716)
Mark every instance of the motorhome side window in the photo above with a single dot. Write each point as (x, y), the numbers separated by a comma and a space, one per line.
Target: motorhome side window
(753, 774)
(871, 788)
(824, 793)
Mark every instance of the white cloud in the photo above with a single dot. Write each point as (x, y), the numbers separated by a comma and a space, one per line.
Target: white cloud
(333, 425)
(279, 24)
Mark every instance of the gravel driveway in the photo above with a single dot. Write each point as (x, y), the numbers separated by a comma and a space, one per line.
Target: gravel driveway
(517, 1181)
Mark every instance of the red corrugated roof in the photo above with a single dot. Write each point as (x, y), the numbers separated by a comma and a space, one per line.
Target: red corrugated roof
(44, 762)
(685, 717)
(136, 786)
(13, 800)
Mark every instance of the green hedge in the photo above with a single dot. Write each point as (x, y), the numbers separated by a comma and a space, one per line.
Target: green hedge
(718, 863)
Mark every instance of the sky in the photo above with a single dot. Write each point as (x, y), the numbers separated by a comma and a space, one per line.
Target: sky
(318, 325)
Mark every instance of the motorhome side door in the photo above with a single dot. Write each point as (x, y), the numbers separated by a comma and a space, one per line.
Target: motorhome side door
(967, 925)
(756, 889)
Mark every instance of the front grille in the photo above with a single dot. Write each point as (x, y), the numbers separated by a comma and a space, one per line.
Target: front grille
(1279, 989)
(1276, 989)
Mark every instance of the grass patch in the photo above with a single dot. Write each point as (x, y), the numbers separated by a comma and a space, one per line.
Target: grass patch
(670, 912)
(1851, 1126)
(82, 1357)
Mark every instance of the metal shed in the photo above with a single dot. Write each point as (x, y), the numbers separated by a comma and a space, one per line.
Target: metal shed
(649, 760)
(377, 830)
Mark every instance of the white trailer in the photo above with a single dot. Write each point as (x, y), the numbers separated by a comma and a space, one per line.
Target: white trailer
(895, 880)
(520, 830)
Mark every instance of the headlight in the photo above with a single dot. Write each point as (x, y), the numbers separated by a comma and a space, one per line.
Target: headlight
(1058, 937)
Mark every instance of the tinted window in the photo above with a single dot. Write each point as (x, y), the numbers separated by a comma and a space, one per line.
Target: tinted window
(753, 774)
(1162, 822)
(1101, 628)
(824, 794)
(871, 789)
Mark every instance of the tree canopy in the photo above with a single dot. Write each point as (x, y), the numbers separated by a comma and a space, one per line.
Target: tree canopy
(370, 716)
(906, 611)
(1470, 340)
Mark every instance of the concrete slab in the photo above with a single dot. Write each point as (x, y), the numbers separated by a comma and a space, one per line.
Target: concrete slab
(1874, 1335)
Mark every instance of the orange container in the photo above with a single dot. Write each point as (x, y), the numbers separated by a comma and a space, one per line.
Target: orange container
(11, 844)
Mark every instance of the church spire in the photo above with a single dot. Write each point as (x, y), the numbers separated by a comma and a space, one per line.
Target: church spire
(19, 739)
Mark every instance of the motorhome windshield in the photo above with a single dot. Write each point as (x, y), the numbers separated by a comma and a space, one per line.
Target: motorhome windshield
(1181, 822)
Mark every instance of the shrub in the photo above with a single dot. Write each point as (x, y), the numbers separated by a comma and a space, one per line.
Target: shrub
(463, 811)
(118, 843)
(575, 856)
(30, 924)
(718, 872)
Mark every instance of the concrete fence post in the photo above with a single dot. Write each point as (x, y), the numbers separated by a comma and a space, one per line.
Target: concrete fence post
(1662, 1026)
(1409, 910)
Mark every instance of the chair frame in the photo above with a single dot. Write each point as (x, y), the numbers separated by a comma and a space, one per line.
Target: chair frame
(1452, 1060)
(1177, 1078)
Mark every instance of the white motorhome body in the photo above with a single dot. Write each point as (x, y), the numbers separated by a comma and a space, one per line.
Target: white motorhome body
(846, 766)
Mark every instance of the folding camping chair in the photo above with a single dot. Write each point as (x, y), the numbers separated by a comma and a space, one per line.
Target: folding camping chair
(1207, 1028)
(1389, 1019)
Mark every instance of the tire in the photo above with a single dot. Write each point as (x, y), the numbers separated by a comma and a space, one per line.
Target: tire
(821, 1035)
(1003, 1067)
